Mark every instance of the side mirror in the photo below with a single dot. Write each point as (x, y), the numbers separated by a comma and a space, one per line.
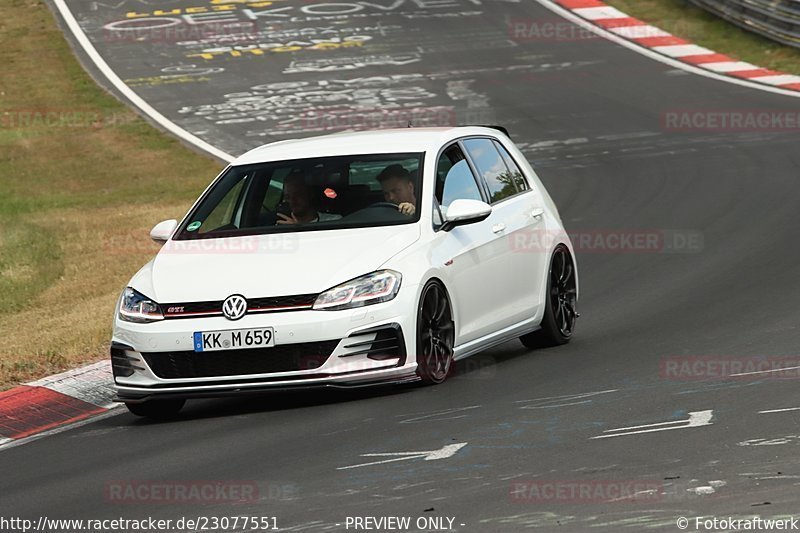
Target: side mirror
(162, 231)
(463, 211)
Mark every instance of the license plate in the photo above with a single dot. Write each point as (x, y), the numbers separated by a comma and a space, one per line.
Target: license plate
(212, 341)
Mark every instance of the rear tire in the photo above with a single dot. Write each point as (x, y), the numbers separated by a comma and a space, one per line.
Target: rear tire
(560, 312)
(156, 409)
(435, 335)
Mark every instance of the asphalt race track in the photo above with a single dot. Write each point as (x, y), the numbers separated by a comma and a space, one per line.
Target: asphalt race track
(719, 287)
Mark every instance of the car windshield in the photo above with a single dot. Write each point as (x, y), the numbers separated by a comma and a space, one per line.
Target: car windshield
(309, 194)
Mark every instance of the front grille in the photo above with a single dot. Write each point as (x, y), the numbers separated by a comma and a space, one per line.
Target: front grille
(281, 358)
(294, 302)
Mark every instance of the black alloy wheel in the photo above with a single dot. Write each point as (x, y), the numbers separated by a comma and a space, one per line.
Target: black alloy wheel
(435, 334)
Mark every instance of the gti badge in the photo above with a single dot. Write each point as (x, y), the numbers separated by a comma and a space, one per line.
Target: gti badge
(234, 307)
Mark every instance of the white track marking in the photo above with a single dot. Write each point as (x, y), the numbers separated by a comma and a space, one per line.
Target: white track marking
(434, 417)
(696, 419)
(134, 98)
(567, 396)
(765, 371)
(632, 496)
(550, 402)
(434, 455)
(569, 15)
(779, 410)
(778, 441)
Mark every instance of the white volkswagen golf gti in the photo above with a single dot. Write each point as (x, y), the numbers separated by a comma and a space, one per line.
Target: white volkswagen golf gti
(344, 260)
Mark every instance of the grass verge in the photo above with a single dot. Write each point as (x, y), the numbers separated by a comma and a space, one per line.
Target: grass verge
(82, 180)
(683, 19)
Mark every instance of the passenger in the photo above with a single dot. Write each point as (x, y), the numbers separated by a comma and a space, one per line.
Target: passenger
(398, 188)
(300, 198)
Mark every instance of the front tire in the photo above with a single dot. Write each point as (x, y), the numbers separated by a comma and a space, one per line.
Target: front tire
(560, 312)
(156, 409)
(435, 334)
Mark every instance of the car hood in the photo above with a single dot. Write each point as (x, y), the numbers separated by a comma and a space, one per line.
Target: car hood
(268, 265)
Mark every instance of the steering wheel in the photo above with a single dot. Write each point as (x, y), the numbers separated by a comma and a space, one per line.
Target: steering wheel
(384, 204)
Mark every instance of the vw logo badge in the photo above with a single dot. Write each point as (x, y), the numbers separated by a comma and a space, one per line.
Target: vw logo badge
(234, 307)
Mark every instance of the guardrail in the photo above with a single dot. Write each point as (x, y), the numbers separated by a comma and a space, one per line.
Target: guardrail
(778, 20)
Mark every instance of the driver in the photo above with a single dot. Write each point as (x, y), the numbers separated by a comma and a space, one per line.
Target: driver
(398, 188)
(300, 197)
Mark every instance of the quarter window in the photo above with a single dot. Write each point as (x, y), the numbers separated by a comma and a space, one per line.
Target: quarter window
(491, 168)
(516, 174)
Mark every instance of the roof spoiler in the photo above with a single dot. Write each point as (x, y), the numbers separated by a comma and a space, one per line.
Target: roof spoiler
(501, 129)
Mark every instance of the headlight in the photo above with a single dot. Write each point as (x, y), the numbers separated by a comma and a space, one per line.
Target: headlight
(135, 307)
(380, 286)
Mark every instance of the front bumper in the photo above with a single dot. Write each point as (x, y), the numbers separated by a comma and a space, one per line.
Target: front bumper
(346, 348)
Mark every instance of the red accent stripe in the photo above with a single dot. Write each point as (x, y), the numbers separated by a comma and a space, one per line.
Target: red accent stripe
(577, 4)
(619, 23)
(754, 73)
(705, 58)
(667, 40)
(195, 313)
(305, 306)
(27, 410)
(792, 86)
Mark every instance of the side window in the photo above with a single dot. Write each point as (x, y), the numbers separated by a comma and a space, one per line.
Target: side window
(454, 178)
(492, 168)
(514, 172)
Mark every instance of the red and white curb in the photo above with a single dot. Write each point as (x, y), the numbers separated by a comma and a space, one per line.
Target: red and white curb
(56, 401)
(674, 49)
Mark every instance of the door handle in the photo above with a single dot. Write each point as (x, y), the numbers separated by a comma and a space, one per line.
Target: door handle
(499, 228)
(537, 213)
